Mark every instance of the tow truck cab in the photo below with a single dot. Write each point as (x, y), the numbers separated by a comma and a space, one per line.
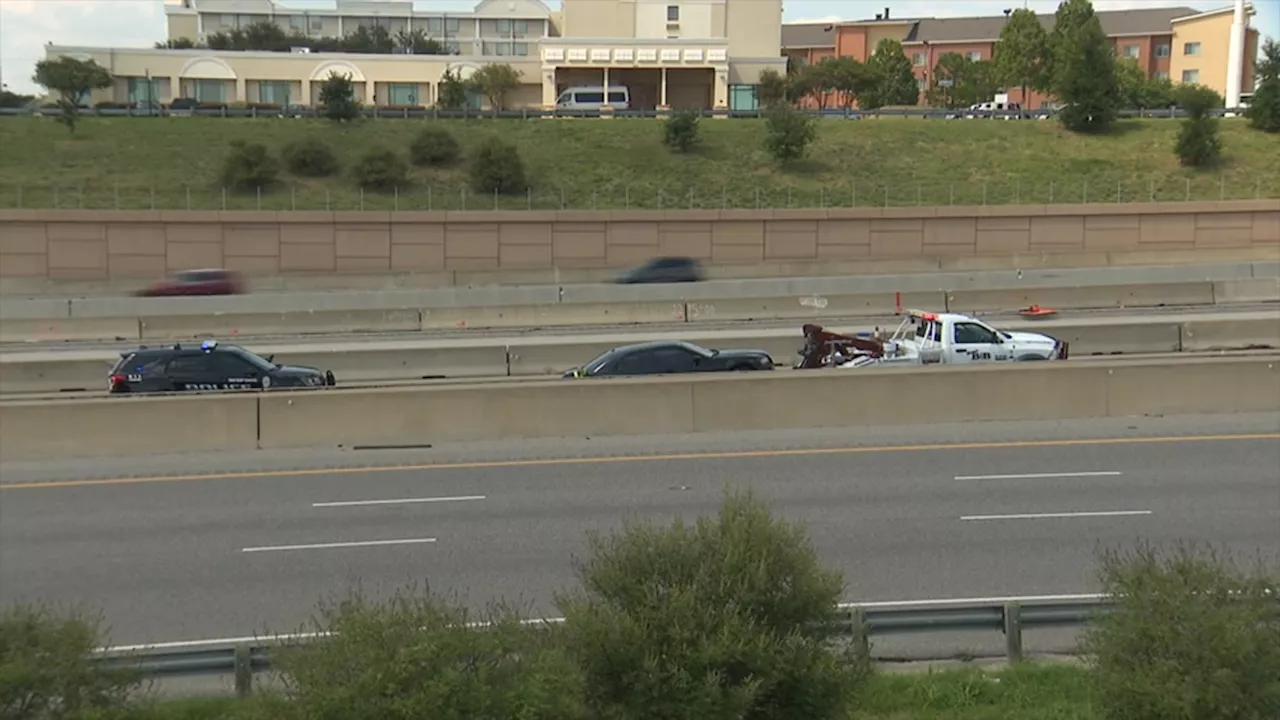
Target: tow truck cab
(951, 338)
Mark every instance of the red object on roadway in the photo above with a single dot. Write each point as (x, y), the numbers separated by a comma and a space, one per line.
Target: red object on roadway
(1037, 311)
(196, 282)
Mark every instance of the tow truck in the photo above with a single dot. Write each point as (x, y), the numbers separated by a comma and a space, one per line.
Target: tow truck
(927, 338)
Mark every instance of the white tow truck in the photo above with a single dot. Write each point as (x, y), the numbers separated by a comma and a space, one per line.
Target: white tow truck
(927, 338)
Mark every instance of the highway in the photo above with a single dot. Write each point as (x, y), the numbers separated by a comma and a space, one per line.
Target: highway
(169, 552)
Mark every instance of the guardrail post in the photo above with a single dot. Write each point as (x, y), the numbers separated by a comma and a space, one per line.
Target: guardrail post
(1013, 631)
(244, 671)
(861, 638)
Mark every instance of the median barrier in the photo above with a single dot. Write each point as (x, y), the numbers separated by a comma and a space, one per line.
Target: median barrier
(1231, 334)
(813, 306)
(128, 426)
(1082, 298)
(428, 362)
(1250, 290)
(177, 327)
(560, 315)
(29, 330)
(1208, 386)
(57, 376)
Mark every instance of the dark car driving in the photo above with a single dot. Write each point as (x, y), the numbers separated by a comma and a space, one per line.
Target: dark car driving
(663, 270)
(208, 366)
(661, 358)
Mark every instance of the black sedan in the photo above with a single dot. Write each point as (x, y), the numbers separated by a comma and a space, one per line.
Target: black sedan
(661, 358)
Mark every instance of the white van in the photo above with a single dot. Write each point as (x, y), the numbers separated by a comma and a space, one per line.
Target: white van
(592, 97)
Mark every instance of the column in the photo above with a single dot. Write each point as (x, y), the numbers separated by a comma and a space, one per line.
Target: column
(662, 92)
(370, 94)
(548, 88)
(175, 87)
(305, 97)
(607, 110)
(241, 94)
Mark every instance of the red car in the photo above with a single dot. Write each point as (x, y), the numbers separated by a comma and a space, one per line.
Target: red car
(196, 282)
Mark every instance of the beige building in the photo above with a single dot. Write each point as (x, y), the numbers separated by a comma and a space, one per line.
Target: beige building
(668, 53)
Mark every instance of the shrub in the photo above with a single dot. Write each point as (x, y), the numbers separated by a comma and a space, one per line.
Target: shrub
(249, 167)
(310, 157)
(721, 619)
(434, 146)
(1194, 636)
(1264, 111)
(416, 656)
(338, 98)
(381, 170)
(680, 131)
(45, 671)
(789, 133)
(1198, 142)
(496, 168)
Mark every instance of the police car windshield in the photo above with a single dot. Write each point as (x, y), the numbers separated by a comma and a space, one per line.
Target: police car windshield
(256, 360)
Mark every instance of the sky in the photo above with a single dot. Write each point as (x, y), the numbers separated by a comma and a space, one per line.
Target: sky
(27, 25)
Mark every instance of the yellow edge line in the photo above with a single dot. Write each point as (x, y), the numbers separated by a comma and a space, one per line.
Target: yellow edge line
(636, 458)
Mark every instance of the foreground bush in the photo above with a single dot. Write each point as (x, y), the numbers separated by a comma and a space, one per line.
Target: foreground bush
(45, 673)
(416, 657)
(680, 131)
(496, 168)
(1195, 637)
(710, 620)
(310, 157)
(249, 167)
(380, 170)
(434, 147)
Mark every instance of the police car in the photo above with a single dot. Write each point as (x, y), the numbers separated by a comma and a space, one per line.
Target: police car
(209, 366)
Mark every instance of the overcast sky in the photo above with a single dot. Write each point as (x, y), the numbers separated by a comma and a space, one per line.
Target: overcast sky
(27, 25)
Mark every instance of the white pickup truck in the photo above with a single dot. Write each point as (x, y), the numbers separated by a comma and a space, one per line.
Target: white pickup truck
(926, 338)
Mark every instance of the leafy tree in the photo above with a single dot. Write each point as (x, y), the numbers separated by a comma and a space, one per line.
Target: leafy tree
(418, 42)
(1198, 141)
(680, 131)
(717, 619)
(380, 170)
(249, 167)
(1194, 635)
(892, 80)
(338, 95)
(434, 146)
(774, 89)
(1084, 69)
(819, 81)
(376, 40)
(453, 92)
(14, 100)
(1264, 111)
(788, 133)
(960, 82)
(496, 81)
(1138, 90)
(176, 44)
(1020, 54)
(309, 157)
(73, 80)
(850, 80)
(496, 167)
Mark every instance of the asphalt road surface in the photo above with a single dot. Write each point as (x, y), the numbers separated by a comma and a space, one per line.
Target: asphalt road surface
(168, 552)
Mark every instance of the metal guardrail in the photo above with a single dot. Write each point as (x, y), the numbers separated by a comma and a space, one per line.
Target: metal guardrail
(420, 113)
(244, 656)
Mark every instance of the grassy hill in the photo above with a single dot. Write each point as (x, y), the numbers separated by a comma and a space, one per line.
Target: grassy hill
(611, 164)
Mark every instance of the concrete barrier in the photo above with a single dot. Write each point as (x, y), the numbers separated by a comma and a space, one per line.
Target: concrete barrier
(128, 426)
(23, 330)
(1082, 298)
(532, 316)
(1250, 290)
(176, 327)
(813, 306)
(1231, 335)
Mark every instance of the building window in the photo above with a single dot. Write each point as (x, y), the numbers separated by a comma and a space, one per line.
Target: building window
(274, 92)
(502, 49)
(922, 83)
(743, 98)
(1162, 50)
(143, 91)
(1191, 48)
(1160, 75)
(513, 27)
(437, 25)
(918, 59)
(402, 94)
(1190, 76)
(974, 55)
(673, 13)
(520, 49)
(1132, 51)
(298, 22)
(210, 91)
(244, 21)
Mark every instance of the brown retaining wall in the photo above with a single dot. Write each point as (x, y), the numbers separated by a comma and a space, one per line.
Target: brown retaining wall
(87, 244)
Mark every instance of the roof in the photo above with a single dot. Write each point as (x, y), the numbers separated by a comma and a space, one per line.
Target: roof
(1148, 21)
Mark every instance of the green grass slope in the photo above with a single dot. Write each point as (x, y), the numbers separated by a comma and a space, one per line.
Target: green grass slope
(173, 163)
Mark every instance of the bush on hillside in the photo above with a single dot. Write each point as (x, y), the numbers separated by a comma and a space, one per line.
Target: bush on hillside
(249, 167)
(680, 131)
(417, 656)
(380, 170)
(1264, 111)
(496, 167)
(789, 133)
(310, 157)
(45, 671)
(719, 619)
(338, 97)
(1198, 143)
(434, 146)
(1194, 636)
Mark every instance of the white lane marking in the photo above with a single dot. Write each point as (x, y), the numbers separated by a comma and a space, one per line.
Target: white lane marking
(399, 501)
(1038, 476)
(1037, 516)
(179, 644)
(326, 546)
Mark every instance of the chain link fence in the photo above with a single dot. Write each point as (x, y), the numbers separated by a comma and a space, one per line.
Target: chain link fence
(284, 197)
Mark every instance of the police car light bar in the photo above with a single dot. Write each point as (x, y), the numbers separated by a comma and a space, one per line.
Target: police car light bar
(208, 345)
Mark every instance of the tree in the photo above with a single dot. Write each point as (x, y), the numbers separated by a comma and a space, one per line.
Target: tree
(496, 81)
(1264, 111)
(453, 92)
(73, 80)
(14, 100)
(788, 133)
(416, 42)
(434, 146)
(960, 82)
(892, 80)
(773, 90)
(249, 167)
(1084, 69)
(496, 168)
(309, 157)
(1020, 54)
(850, 80)
(338, 96)
(680, 131)
(721, 618)
(1138, 90)
(1198, 141)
